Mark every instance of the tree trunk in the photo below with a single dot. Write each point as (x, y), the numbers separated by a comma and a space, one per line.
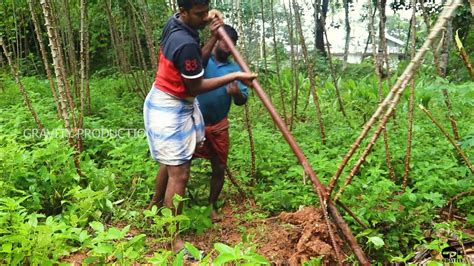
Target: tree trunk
(84, 45)
(320, 26)
(444, 58)
(16, 74)
(441, 64)
(44, 56)
(411, 102)
(370, 34)
(347, 27)
(148, 30)
(264, 52)
(309, 66)
(58, 62)
(294, 69)
(389, 103)
(384, 73)
(334, 80)
(277, 62)
(70, 49)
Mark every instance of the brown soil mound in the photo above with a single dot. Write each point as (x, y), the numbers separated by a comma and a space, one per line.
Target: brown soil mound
(288, 239)
(304, 236)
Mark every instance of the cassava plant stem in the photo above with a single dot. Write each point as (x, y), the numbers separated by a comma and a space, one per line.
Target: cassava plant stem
(326, 204)
(394, 95)
(451, 139)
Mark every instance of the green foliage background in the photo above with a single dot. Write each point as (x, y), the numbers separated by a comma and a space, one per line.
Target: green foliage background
(48, 211)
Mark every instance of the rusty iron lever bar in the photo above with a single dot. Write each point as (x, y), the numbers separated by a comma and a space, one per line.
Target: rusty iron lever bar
(318, 186)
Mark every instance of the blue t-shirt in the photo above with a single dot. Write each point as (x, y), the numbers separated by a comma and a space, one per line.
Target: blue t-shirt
(215, 104)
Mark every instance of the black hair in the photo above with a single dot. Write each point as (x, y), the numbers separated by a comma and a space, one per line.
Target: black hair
(231, 32)
(188, 4)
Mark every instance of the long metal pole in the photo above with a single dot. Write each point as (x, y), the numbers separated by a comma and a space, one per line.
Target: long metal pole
(318, 186)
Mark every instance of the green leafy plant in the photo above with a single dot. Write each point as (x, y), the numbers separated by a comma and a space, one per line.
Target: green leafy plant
(112, 245)
(237, 254)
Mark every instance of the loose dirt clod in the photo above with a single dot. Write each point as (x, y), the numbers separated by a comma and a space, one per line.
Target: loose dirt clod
(287, 239)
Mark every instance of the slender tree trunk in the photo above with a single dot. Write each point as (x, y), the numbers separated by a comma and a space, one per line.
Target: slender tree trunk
(248, 124)
(70, 49)
(321, 20)
(172, 5)
(148, 30)
(84, 45)
(2, 64)
(390, 102)
(384, 72)
(316, 14)
(294, 68)
(441, 64)
(372, 17)
(277, 62)
(347, 27)
(117, 42)
(58, 62)
(411, 102)
(385, 66)
(444, 71)
(334, 79)
(16, 74)
(264, 52)
(309, 66)
(44, 56)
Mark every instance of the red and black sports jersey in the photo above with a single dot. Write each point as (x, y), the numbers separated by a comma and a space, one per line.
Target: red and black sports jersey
(179, 56)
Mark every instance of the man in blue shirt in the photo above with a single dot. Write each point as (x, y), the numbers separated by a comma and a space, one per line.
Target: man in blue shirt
(215, 106)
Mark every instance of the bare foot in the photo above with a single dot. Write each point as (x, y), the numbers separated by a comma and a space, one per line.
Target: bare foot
(177, 244)
(215, 216)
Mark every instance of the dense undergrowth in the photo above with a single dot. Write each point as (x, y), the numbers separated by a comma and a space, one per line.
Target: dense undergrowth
(48, 211)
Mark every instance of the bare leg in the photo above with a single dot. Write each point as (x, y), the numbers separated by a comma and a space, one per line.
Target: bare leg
(160, 187)
(177, 181)
(217, 182)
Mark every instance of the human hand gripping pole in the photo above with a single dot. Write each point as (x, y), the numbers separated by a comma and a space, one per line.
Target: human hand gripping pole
(318, 186)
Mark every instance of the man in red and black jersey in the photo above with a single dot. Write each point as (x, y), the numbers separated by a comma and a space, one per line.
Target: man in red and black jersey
(173, 122)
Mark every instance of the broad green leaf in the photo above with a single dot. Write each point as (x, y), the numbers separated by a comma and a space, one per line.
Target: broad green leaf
(259, 259)
(193, 251)
(377, 241)
(114, 233)
(166, 212)
(223, 248)
(97, 226)
(103, 249)
(223, 258)
(179, 259)
(7, 248)
(83, 236)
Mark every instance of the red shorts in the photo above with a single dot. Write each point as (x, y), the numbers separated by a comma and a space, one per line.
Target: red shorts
(216, 143)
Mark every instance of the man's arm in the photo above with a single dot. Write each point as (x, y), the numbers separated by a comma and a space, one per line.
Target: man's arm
(234, 91)
(207, 49)
(200, 85)
(216, 22)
